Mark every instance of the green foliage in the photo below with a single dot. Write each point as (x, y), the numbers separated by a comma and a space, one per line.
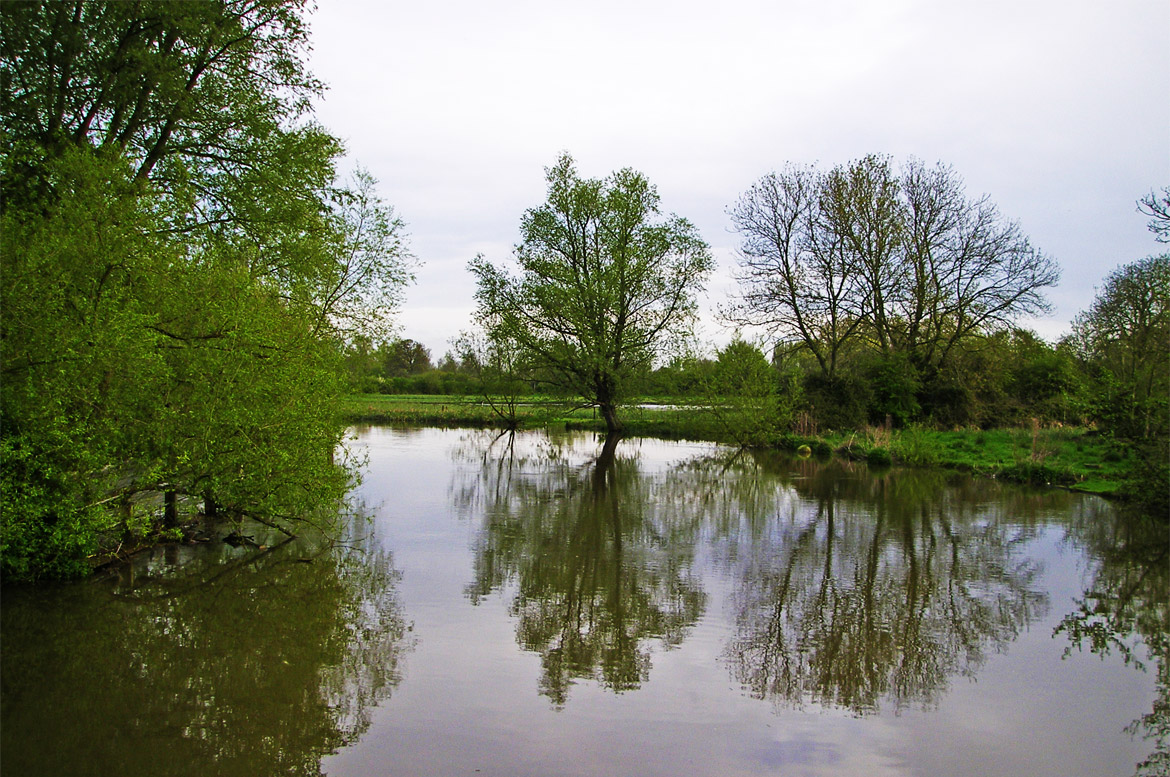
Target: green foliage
(42, 535)
(606, 285)
(894, 386)
(1124, 341)
(180, 266)
(742, 396)
(1148, 486)
(878, 457)
(914, 447)
(821, 449)
(839, 402)
(1037, 474)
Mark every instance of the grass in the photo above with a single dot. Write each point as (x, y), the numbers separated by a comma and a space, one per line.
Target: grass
(1078, 458)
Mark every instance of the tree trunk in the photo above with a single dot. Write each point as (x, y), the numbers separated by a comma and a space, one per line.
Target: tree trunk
(170, 510)
(609, 413)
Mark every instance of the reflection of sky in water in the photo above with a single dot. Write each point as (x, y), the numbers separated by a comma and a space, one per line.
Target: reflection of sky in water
(469, 700)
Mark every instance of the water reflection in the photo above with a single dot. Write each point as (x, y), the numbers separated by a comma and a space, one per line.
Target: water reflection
(600, 570)
(859, 589)
(849, 589)
(217, 660)
(1126, 610)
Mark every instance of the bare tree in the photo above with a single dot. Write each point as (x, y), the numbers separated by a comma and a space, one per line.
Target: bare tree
(794, 280)
(972, 269)
(905, 262)
(1157, 207)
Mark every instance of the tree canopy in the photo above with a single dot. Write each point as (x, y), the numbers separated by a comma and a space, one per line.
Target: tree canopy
(606, 283)
(181, 265)
(1125, 337)
(899, 261)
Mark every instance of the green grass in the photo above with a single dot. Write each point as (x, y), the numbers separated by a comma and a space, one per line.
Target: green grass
(1074, 457)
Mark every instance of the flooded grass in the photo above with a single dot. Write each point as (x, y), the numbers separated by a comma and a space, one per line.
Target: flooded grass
(1075, 457)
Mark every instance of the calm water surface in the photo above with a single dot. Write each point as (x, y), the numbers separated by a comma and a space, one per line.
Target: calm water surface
(549, 605)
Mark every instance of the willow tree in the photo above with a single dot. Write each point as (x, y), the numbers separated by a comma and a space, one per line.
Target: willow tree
(606, 283)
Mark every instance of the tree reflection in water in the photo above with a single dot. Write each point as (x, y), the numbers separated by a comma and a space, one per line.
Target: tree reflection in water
(850, 589)
(600, 570)
(1126, 609)
(867, 589)
(238, 661)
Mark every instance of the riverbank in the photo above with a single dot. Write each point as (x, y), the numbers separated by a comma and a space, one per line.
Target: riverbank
(1078, 458)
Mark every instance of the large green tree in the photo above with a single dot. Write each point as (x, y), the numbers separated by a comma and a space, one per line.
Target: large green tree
(1124, 339)
(180, 265)
(606, 283)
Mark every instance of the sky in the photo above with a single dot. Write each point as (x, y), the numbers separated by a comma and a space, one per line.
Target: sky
(1058, 111)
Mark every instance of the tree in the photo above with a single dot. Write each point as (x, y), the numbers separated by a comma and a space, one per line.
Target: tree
(405, 357)
(1124, 337)
(1157, 207)
(903, 263)
(605, 284)
(208, 85)
(793, 284)
(180, 269)
(742, 393)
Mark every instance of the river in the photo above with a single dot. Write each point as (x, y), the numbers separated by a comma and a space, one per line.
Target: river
(546, 604)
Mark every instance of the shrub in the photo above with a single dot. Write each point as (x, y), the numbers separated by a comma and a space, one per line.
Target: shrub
(841, 402)
(914, 446)
(879, 457)
(1037, 474)
(894, 383)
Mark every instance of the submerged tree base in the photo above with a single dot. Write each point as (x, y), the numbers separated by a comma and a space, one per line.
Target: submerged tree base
(1079, 458)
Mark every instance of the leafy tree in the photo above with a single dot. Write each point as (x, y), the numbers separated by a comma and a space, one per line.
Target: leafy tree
(605, 284)
(179, 270)
(742, 393)
(405, 357)
(1124, 337)
(895, 385)
(185, 91)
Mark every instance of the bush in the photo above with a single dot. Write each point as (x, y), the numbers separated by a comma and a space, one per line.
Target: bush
(841, 402)
(44, 532)
(878, 457)
(915, 447)
(948, 403)
(1037, 474)
(894, 382)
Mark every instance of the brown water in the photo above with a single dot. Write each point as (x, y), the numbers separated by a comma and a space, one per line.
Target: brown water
(548, 605)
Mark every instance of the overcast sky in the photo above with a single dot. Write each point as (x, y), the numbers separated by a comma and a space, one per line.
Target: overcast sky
(1060, 111)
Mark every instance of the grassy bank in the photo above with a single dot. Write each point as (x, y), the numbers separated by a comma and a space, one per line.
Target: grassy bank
(1077, 458)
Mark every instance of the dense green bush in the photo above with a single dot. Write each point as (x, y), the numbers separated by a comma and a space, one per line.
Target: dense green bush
(840, 402)
(894, 386)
